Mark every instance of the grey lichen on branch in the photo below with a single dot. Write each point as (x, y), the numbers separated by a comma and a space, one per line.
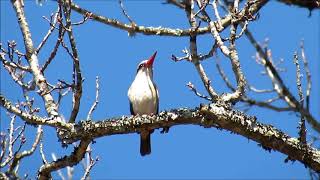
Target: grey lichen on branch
(164, 31)
(213, 115)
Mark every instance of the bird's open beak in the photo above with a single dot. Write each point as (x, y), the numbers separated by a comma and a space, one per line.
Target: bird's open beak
(151, 59)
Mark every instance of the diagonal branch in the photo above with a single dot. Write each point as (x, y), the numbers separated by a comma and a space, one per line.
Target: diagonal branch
(71, 160)
(33, 61)
(279, 85)
(194, 52)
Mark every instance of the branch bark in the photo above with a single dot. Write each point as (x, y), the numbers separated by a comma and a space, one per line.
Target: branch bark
(163, 31)
(33, 61)
(213, 115)
(313, 4)
(71, 160)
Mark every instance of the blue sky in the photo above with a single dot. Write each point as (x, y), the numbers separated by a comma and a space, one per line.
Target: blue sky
(186, 152)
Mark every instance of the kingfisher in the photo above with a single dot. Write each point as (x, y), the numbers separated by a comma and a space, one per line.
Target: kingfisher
(144, 99)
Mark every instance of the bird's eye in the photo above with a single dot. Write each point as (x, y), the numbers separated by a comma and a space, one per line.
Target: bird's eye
(141, 65)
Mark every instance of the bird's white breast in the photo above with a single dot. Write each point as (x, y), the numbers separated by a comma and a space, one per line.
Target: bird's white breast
(143, 95)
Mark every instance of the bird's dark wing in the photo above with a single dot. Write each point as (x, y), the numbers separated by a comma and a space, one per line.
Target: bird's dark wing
(157, 100)
(131, 108)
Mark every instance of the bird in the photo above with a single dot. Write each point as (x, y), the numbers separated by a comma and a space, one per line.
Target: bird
(144, 99)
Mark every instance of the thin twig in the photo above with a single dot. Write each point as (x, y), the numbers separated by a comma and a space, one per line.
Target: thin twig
(54, 157)
(94, 105)
(77, 75)
(53, 22)
(306, 67)
(43, 157)
(193, 89)
(194, 54)
(56, 46)
(125, 13)
(19, 156)
(302, 124)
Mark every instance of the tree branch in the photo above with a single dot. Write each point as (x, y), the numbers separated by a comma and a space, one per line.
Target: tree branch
(310, 4)
(71, 160)
(33, 61)
(31, 118)
(214, 115)
(162, 31)
(77, 76)
(279, 85)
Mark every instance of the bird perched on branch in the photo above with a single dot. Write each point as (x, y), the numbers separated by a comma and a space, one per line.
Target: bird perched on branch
(144, 99)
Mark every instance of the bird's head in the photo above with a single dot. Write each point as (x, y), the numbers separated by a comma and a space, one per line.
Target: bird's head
(146, 65)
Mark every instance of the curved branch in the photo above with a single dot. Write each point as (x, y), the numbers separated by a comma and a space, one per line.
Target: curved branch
(213, 115)
(71, 160)
(33, 119)
(162, 31)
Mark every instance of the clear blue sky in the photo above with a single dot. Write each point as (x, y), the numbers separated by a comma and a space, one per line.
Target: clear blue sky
(186, 152)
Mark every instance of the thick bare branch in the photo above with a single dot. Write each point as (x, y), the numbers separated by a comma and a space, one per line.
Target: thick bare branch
(32, 58)
(214, 115)
(71, 160)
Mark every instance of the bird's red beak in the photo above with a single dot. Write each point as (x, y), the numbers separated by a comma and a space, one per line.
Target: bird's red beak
(151, 59)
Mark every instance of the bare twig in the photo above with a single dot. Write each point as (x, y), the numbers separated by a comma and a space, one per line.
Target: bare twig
(54, 157)
(126, 14)
(302, 125)
(86, 17)
(306, 68)
(11, 142)
(89, 164)
(251, 88)
(265, 104)
(53, 22)
(216, 13)
(94, 105)
(194, 54)
(77, 76)
(193, 89)
(14, 65)
(19, 156)
(43, 156)
(56, 46)
(279, 85)
(33, 119)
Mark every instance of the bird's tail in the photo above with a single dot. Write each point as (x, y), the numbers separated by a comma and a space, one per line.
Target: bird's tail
(145, 143)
